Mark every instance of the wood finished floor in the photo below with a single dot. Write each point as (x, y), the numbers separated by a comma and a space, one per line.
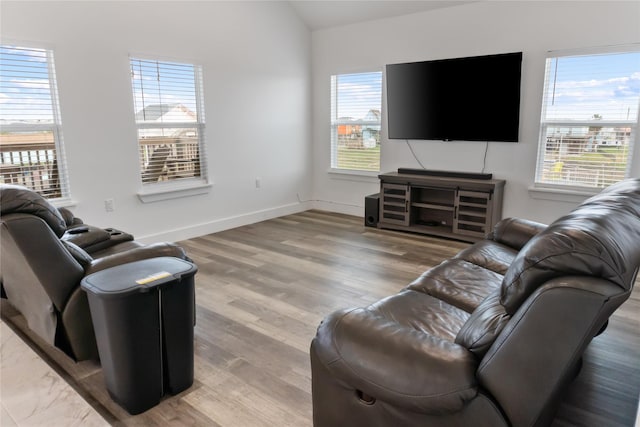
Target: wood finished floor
(262, 290)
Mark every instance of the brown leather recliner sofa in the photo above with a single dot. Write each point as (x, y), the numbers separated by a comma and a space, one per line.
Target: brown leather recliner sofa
(44, 254)
(491, 337)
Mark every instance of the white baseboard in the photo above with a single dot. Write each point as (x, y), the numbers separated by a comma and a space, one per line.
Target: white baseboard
(339, 208)
(222, 224)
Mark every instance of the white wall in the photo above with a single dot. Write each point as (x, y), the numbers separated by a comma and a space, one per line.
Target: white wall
(256, 59)
(267, 98)
(488, 27)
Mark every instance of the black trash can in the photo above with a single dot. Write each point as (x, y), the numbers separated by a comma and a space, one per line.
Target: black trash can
(143, 314)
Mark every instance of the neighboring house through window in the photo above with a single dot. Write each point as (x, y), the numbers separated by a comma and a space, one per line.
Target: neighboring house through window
(31, 149)
(589, 119)
(355, 121)
(170, 119)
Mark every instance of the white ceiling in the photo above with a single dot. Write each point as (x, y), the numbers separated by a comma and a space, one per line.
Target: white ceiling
(319, 14)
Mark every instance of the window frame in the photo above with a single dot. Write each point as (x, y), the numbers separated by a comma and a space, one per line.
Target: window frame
(544, 189)
(163, 190)
(335, 122)
(55, 127)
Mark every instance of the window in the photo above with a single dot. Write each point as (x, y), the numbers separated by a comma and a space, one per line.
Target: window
(169, 115)
(355, 121)
(589, 119)
(31, 151)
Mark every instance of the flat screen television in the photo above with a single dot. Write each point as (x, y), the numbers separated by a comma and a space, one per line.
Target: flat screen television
(462, 99)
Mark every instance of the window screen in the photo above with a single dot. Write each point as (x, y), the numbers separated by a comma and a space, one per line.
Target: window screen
(31, 149)
(589, 119)
(355, 121)
(170, 119)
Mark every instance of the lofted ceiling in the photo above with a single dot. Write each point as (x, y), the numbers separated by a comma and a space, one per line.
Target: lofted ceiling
(320, 14)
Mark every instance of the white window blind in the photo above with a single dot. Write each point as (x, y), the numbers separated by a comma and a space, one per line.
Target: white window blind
(31, 149)
(589, 119)
(355, 121)
(169, 115)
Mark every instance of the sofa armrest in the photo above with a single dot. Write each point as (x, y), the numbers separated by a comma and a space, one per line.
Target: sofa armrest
(396, 364)
(94, 239)
(84, 236)
(515, 232)
(547, 335)
(136, 254)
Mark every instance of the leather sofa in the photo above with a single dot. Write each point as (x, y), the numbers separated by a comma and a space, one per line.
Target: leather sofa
(45, 252)
(491, 337)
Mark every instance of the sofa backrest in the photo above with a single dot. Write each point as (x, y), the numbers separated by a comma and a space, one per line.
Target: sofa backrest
(599, 238)
(17, 199)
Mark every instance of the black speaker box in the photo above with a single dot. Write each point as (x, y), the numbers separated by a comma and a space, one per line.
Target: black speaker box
(371, 208)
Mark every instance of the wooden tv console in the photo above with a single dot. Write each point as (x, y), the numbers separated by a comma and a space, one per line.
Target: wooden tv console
(458, 208)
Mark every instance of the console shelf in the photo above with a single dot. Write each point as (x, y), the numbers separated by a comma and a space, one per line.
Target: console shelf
(459, 208)
(431, 206)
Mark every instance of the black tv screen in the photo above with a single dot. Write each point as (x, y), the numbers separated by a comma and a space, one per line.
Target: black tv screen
(463, 99)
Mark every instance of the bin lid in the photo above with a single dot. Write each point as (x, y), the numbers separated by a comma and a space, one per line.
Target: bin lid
(137, 277)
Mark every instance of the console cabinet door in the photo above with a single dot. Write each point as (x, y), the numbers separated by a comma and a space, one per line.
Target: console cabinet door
(473, 213)
(394, 203)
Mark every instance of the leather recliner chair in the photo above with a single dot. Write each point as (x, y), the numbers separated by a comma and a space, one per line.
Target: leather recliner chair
(45, 252)
(491, 337)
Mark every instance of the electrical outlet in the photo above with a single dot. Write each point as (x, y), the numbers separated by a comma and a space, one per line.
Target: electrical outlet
(109, 206)
(258, 182)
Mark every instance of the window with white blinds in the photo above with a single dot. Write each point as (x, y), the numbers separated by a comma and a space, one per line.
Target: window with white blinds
(169, 115)
(589, 119)
(31, 149)
(355, 121)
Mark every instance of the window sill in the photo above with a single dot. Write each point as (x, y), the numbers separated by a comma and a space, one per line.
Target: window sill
(561, 194)
(160, 192)
(64, 202)
(353, 175)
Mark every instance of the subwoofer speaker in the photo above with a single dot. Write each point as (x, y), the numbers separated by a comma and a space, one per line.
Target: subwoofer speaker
(371, 209)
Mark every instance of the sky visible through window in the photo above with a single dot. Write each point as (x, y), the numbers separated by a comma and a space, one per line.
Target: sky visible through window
(571, 95)
(25, 92)
(357, 94)
(605, 86)
(162, 83)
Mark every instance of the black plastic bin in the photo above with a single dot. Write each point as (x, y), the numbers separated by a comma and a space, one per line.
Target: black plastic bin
(143, 314)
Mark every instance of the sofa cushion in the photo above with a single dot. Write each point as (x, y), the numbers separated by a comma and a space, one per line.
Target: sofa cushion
(421, 312)
(458, 282)
(599, 238)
